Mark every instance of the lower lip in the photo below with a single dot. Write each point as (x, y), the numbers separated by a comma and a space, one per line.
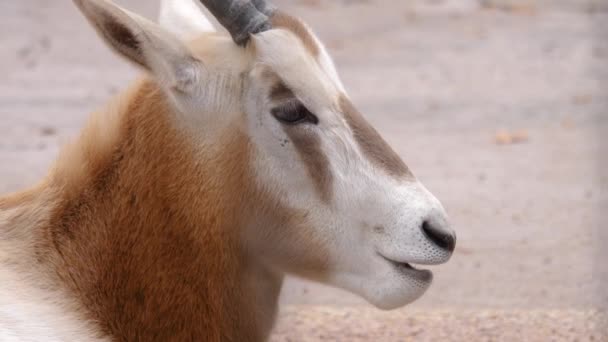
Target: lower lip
(409, 270)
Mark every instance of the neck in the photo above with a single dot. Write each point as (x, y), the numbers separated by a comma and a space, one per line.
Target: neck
(147, 234)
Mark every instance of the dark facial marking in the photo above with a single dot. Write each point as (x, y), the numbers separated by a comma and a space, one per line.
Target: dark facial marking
(308, 145)
(279, 92)
(371, 143)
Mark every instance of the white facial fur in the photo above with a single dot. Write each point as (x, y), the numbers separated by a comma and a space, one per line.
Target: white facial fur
(371, 215)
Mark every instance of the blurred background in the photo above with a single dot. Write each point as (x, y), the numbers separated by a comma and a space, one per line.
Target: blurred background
(498, 106)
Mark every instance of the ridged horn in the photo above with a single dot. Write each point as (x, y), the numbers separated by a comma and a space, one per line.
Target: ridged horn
(241, 17)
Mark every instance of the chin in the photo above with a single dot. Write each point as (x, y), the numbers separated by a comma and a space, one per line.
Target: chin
(397, 288)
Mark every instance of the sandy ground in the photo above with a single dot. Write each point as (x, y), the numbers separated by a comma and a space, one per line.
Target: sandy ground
(330, 323)
(448, 83)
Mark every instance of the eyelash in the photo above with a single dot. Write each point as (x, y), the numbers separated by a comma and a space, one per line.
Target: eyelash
(294, 112)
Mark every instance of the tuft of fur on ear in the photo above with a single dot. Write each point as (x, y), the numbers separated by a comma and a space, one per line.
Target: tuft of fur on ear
(184, 18)
(143, 43)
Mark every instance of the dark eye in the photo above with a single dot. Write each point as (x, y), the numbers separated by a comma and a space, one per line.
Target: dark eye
(294, 112)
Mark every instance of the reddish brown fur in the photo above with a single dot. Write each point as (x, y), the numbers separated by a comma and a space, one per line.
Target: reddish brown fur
(147, 238)
(146, 233)
(20, 198)
(140, 223)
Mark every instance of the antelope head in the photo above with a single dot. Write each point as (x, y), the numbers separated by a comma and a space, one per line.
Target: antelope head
(334, 202)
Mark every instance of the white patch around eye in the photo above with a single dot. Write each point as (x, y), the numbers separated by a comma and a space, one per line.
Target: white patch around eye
(184, 18)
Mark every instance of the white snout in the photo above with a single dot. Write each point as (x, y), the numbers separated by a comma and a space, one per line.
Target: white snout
(414, 231)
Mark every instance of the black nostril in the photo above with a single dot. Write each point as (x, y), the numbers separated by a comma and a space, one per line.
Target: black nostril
(440, 237)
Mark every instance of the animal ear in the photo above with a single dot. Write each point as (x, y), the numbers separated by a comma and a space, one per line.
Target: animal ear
(144, 43)
(184, 18)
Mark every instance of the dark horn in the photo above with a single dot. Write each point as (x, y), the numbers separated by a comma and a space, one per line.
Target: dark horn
(264, 7)
(240, 17)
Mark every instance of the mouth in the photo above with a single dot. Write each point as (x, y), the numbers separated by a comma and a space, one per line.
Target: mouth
(408, 270)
